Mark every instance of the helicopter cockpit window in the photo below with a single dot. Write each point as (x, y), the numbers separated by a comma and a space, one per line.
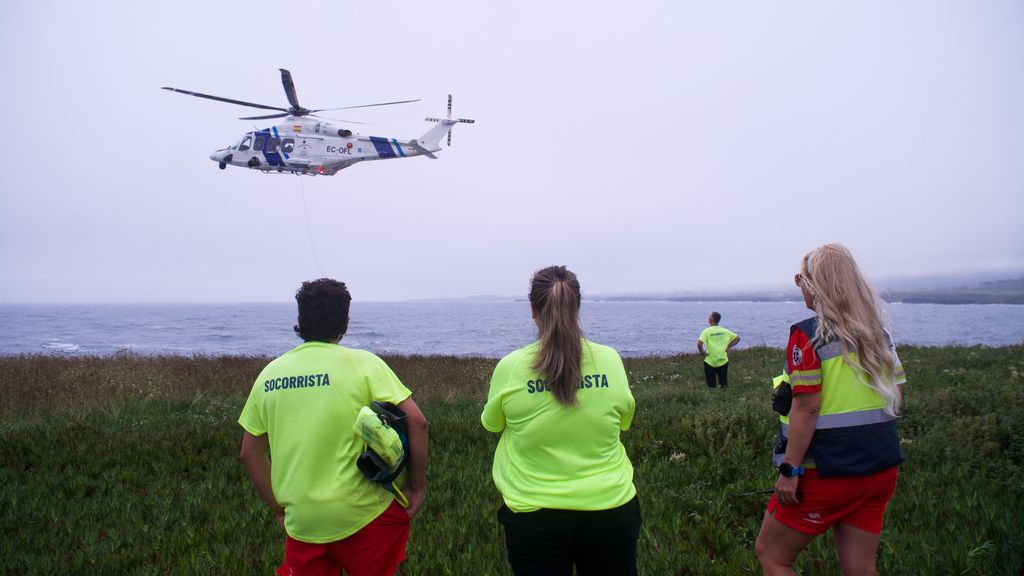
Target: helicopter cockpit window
(245, 143)
(288, 144)
(258, 144)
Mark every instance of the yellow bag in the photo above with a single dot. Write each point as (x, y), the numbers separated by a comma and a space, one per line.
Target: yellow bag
(379, 437)
(382, 428)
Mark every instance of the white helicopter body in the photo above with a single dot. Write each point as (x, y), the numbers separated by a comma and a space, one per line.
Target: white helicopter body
(303, 145)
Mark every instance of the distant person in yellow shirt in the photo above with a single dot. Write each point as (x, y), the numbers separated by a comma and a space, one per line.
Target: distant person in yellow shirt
(301, 409)
(714, 345)
(560, 405)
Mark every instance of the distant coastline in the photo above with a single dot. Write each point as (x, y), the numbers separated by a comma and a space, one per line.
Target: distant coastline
(994, 292)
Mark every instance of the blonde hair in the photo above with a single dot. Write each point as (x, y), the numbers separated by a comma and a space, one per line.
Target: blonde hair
(850, 312)
(555, 298)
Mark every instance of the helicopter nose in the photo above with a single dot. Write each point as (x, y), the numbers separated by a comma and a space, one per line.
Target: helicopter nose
(221, 156)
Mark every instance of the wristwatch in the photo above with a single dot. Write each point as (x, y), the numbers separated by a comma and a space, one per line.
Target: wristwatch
(788, 470)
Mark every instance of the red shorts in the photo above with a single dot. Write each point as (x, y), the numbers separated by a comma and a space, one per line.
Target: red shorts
(375, 550)
(859, 501)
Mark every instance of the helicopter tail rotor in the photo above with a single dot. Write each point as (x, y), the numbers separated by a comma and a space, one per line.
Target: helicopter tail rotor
(449, 121)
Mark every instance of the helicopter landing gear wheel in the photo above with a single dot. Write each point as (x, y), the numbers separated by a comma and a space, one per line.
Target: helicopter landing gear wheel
(222, 165)
(253, 162)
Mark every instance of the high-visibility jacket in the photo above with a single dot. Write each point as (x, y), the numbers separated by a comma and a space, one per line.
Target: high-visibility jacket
(854, 435)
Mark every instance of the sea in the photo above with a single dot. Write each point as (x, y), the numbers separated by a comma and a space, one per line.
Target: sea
(488, 328)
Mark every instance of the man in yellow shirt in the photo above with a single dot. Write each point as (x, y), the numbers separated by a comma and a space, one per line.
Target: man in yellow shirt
(301, 408)
(714, 345)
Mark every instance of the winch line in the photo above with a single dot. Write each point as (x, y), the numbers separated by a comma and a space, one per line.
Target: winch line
(309, 232)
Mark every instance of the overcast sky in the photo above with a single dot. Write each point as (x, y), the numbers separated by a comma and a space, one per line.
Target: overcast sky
(649, 146)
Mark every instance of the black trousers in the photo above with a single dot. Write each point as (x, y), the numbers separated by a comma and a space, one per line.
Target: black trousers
(721, 372)
(550, 542)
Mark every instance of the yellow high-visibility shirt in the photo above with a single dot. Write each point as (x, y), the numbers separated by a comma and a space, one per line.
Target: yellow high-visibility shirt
(555, 456)
(306, 401)
(716, 341)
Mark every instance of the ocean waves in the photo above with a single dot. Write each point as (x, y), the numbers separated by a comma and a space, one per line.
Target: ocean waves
(458, 328)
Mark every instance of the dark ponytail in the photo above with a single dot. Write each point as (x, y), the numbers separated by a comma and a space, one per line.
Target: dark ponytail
(555, 298)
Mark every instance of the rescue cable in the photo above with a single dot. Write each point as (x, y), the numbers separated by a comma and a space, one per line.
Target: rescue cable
(309, 232)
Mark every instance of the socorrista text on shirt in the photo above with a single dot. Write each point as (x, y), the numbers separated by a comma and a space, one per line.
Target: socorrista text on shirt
(589, 381)
(292, 382)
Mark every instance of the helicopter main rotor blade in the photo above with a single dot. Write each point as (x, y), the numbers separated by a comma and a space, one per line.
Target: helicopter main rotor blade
(289, 88)
(340, 120)
(366, 105)
(228, 100)
(284, 114)
(268, 116)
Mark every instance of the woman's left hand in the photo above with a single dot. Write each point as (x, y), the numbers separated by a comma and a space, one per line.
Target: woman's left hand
(786, 490)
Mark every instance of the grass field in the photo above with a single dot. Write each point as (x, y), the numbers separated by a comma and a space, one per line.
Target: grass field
(128, 465)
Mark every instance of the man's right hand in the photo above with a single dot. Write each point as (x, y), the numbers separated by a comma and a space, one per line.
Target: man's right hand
(415, 498)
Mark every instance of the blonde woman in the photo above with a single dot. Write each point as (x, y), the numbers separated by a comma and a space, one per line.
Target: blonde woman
(838, 454)
(560, 405)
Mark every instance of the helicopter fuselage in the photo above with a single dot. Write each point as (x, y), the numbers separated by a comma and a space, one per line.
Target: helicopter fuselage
(303, 145)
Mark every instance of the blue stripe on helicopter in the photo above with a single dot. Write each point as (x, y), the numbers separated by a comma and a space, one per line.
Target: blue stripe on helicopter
(383, 147)
(278, 136)
(398, 147)
(273, 158)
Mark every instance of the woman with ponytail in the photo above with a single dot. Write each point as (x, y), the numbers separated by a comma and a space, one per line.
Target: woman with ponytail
(560, 404)
(838, 449)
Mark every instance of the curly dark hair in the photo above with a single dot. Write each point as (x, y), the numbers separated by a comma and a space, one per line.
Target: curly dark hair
(323, 310)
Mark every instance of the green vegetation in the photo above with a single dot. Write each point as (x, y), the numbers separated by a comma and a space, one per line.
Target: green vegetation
(127, 465)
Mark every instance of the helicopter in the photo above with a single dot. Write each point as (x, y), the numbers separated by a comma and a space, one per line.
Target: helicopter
(305, 144)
